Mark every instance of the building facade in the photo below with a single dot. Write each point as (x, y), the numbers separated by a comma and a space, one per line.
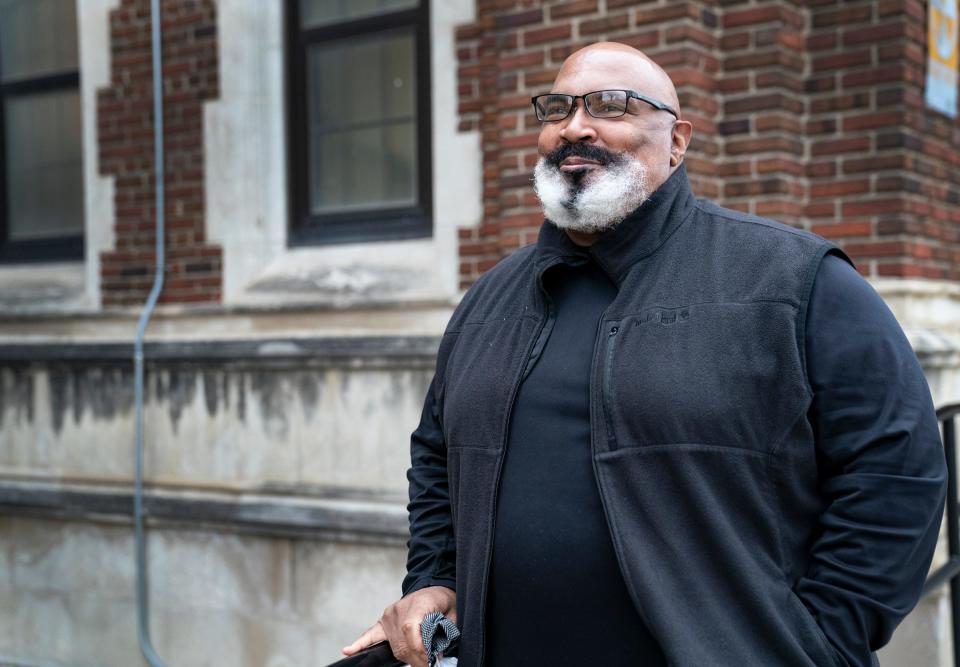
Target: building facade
(337, 173)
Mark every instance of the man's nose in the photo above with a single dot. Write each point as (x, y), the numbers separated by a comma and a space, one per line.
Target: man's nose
(579, 125)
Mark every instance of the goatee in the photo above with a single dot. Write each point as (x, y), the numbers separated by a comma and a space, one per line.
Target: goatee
(590, 200)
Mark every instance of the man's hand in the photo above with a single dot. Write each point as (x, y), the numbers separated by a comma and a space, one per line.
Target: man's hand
(400, 624)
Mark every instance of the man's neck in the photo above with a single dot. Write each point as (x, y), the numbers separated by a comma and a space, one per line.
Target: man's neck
(583, 238)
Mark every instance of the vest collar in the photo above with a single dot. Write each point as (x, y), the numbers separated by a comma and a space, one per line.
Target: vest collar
(639, 235)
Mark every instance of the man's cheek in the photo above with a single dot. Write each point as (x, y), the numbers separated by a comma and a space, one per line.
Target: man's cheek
(546, 142)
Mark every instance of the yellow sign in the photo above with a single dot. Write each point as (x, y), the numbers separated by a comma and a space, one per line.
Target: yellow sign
(942, 37)
(942, 50)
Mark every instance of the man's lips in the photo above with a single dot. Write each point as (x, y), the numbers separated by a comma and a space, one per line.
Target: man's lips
(578, 164)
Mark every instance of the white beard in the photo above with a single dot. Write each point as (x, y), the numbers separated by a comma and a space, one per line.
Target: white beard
(603, 200)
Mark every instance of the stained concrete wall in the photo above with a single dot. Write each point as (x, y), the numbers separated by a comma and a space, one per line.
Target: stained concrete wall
(240, 423)
(276, 487)
(66, 595)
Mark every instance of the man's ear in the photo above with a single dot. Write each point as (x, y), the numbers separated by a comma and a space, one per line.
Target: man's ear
(679, 141)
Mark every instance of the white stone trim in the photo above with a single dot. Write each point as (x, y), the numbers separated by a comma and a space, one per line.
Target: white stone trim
(99, 214)
(929, 312)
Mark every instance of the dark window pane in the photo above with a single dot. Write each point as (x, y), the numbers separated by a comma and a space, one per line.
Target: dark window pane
(314, 13)
(362, 124)
(364, 169)
(37, 38)
(43, 165)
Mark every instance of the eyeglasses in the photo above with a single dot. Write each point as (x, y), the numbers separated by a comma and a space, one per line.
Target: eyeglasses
(599, 104)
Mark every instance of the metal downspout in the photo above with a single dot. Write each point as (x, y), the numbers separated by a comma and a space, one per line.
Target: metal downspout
(143, 624)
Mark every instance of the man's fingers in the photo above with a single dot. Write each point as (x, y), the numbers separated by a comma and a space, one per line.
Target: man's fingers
(410, 647)
(372, 635)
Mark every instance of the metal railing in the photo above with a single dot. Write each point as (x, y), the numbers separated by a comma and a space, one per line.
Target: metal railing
(947, 573)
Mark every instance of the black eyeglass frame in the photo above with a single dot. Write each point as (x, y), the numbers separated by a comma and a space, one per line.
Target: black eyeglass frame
(656, 104)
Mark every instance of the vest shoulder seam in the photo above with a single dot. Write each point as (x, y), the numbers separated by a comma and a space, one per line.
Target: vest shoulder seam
(717, 211)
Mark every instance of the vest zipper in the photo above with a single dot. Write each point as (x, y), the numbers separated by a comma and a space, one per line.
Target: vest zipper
(541, 341)
(531, 357)
(606, 364)
(606, 386)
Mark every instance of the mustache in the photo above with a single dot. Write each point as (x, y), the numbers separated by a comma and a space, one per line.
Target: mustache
(600, 155)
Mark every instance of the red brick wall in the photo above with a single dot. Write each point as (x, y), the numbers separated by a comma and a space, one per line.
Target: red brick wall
(125, 140)
(761, 164)
(808, 112)
(884, 170)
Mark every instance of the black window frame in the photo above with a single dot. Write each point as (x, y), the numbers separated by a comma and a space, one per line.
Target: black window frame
(52, 249)
(306, 228)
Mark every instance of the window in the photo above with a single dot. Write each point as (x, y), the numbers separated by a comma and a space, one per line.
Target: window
(359, 110)
(41, 160)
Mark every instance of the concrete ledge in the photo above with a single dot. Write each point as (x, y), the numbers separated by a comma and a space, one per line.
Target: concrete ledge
(330, 518)
(407, 349)
(7, 661)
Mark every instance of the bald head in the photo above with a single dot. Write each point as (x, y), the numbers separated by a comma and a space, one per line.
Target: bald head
(619, 62)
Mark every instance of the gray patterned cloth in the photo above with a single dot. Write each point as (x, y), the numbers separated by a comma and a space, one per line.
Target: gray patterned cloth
(438, 633)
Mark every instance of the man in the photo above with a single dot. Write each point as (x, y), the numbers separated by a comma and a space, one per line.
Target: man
(668, 433)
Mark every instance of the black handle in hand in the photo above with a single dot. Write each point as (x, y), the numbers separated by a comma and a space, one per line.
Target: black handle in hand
(376, 655)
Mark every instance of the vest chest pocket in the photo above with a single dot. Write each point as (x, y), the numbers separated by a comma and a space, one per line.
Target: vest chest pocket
(727, 374)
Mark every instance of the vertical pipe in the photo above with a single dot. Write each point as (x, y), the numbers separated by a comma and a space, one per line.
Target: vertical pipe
(953, 529)
(143, 619)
